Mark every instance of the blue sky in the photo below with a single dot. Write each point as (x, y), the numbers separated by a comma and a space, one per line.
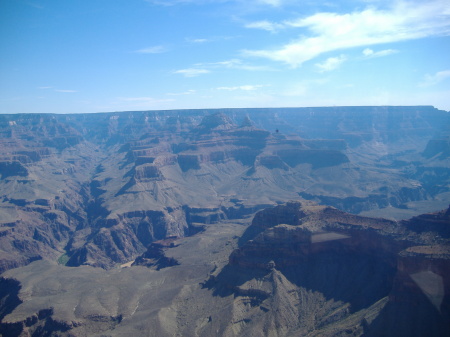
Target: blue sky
(66, 56)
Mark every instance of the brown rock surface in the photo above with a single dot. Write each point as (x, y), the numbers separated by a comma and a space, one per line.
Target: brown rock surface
(100, 189)
(357, 261)
(82, 173)
(326, 273)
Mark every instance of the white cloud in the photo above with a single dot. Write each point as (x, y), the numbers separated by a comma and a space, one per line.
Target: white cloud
(331, 63)
(209, 39)
(233, 64)
(369, 53)
(151, 50)
(265, 25)
(241, 87)
(197, 40)
(191, 72)
(332, 31)
(431, 80)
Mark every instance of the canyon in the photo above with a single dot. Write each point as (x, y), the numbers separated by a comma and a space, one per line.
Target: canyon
(329, 221)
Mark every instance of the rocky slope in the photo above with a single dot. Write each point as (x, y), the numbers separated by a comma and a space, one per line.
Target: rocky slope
(304, 269)
(97, 189)
(297, 269)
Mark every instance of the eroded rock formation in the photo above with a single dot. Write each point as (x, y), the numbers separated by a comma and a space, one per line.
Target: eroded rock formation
(298, 269)
(97, 189)
(315, 267)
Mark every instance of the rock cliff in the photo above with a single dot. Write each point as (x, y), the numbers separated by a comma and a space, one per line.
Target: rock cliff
(299, 269)
(97, 189)
(380, 277)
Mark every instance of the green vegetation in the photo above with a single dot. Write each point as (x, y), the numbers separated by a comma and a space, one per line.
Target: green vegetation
(63, 259)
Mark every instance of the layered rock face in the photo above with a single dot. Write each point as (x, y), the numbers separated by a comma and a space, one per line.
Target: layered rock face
(354, 275)
(155, 257)
(97, 189)
(299, 269)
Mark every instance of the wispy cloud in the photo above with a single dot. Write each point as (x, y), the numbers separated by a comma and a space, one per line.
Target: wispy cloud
(431, 80)
(369, 53)
(190, 40)
(331, 63)
(44, 88)
(233, 64)
(332, 31)
(241, 87)
(191, 72)
(209, 39)
(152, 50)
(265, 25)
(188, 92)
(205, 68)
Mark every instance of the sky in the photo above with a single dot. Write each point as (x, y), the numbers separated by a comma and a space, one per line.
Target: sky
(67, 56)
